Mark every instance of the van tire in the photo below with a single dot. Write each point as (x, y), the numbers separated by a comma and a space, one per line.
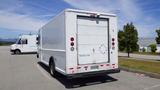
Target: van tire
(37, 55)
(52, 69)
(17, 51)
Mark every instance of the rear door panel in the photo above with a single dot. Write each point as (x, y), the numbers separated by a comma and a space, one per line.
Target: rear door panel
(92, 40)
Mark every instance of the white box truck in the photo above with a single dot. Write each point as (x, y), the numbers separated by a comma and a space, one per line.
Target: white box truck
(79, 43)
(25, 44)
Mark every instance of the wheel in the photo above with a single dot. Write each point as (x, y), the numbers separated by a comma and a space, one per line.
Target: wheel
(37, 55)
(17, 52)
(52, 69)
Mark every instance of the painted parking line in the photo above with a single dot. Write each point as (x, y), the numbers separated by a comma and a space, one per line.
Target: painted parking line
(152, 87)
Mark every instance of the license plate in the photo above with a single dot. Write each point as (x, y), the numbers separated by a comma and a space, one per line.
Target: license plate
(94, 67)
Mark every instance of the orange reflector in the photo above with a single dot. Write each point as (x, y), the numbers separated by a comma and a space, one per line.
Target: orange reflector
(107, 64)
(101, 65)
(78, 67)
(70, 68)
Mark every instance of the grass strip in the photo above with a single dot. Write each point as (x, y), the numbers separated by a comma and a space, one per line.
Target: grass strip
(146, 66)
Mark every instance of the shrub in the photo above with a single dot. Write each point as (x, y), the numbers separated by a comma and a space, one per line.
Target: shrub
(143, 50)
(153, 48)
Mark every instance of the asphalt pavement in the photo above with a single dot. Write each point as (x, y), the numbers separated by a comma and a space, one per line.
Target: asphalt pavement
(23, 72)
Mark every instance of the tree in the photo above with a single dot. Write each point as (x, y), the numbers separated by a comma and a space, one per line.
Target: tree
(130, 35)
(158, 36)
(143, 50)
(153, 48)
(121, 40)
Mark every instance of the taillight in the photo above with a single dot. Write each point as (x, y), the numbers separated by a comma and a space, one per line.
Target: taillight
(113, 43)
(72, 39)
(72, 43)
(113, 39)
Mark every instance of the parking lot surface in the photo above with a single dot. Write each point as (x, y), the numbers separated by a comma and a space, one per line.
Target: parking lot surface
(23, 72)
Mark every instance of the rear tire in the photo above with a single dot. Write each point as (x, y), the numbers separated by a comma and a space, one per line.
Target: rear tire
(17, 52)
(52, 69)
(37, 55)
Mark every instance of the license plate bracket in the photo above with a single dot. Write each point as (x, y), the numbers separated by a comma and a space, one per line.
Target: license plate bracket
(95, 67)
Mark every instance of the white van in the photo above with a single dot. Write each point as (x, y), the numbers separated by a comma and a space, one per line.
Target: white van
(25, 44)
(79, 43)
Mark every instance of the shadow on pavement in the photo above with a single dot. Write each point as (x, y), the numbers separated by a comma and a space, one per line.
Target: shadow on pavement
(80, 82)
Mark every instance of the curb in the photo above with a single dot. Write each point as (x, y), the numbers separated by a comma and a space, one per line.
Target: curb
(152, 75)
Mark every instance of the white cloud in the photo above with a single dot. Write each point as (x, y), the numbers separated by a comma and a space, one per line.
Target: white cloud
(16, 15)
(125, 7)
(129, 11)
(15, 21)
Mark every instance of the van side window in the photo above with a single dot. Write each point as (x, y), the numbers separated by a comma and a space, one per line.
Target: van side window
(19, 41)
(24, 41)
(38, 39)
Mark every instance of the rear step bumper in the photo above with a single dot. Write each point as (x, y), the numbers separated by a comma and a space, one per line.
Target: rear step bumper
(95, 73)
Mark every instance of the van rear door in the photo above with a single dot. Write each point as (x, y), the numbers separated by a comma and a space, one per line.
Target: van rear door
(92, 36)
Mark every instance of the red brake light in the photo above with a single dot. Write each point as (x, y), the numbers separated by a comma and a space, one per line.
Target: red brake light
(72, 39)
(113, 39)
(72, 43)
(113, 43)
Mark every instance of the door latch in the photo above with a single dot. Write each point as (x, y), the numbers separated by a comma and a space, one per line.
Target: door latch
(93, 50)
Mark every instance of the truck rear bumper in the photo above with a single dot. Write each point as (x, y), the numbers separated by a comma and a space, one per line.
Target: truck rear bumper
(96, 73)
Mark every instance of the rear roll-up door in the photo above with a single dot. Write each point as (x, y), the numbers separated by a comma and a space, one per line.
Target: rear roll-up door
(92, 36)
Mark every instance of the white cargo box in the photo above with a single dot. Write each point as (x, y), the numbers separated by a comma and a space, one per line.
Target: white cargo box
(80, 43)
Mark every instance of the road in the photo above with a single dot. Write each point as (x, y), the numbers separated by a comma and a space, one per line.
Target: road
(22, 72)
(141, 57)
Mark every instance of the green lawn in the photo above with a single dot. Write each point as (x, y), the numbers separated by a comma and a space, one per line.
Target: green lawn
(147, 66)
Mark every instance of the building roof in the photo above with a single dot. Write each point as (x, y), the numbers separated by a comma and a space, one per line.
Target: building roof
(145, 42)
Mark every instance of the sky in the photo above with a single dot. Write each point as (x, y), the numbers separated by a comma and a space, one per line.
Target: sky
(27, 16)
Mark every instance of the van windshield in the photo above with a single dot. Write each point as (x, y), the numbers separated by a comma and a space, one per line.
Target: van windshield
(18, 41)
